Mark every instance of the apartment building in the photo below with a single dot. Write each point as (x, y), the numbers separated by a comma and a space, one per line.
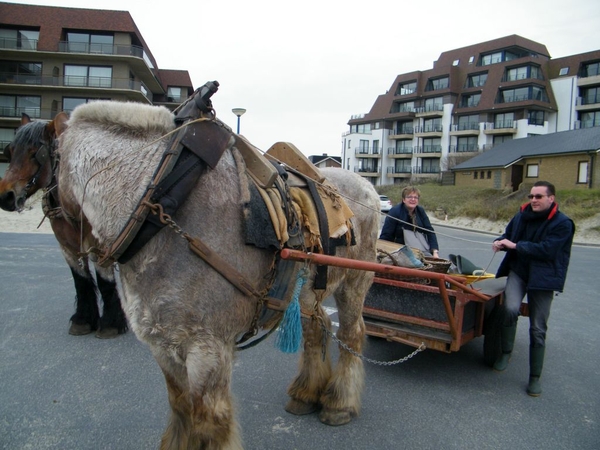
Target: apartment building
(53, 59)
(474, 98)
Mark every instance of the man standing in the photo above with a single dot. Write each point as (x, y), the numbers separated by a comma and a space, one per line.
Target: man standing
(537, 242)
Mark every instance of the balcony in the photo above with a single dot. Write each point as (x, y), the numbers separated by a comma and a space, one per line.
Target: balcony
(579, 124)
(588, 81)
(429, 130)
(402, 133)
(588, 102)
(500, 127)
(403, 152)
(465, 129)
(367, 171)
(32, 82)
(464, 148)
(429, 149)
(18, 44)
(399, 172)
(367, 152)
(435, 110)
(426, 171)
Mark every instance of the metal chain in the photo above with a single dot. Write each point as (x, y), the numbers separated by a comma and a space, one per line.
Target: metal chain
(369, 360)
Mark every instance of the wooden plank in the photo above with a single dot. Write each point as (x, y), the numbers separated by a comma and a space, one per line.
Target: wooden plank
(258, 166)
(288, 153)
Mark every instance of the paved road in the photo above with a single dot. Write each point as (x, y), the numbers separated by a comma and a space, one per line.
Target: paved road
(77, 393)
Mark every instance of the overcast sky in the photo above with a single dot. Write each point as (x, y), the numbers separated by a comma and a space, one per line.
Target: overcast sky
(301, 69)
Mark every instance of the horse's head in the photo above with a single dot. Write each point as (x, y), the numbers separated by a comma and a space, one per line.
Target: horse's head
(31, 157)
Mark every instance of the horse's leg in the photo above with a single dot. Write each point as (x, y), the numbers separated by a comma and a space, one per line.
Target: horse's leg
(113, 321)
(85, 319)
(342, 396)
(315, 367)
(202, 413)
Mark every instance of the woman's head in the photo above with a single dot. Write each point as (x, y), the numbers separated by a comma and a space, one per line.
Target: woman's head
(410, 197)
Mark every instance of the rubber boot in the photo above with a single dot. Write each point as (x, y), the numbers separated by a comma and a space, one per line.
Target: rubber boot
(508, 341)
(536, 363)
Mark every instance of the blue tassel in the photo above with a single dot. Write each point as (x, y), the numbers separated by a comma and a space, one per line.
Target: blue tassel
(289, 337)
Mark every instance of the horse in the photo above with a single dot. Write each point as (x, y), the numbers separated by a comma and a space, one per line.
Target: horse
(189, 313)
(32, 167)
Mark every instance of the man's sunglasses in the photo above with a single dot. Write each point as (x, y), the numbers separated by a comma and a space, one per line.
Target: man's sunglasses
(536, 196)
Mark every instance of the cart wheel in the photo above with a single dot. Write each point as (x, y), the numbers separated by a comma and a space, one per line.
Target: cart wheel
(492, 345)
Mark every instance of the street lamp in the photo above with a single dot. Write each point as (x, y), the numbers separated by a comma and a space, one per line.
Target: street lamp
(238, 112)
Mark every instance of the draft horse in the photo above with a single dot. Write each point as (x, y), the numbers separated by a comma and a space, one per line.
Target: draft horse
(33, 166)
(188, 313)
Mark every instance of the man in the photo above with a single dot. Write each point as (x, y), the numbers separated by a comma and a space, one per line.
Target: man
(538, 243)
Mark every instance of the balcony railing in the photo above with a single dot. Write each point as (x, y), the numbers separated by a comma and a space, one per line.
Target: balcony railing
(430, 108)
(586, 124)
(429, 149)
(400, 151)
(500, 125)
(75, 82)
(429, 129)
(420, 169)
(367, 169)
(367, 151)
(18, 44)
(401, 169)
(589, 99)
(465, 126)
(463, 148)
(100, 49)
(403, 130)
(11, 111)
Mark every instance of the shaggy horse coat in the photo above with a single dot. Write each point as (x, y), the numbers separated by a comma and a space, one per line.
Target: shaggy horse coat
(31, 169)
(187, 313)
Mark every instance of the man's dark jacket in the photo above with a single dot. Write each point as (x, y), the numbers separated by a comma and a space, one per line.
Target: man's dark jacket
(392, 229)
(546, 255)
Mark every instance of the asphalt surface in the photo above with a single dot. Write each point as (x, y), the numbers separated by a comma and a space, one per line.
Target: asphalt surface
(71, 393)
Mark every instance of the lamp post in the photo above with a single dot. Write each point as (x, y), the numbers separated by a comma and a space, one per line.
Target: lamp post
(238, 112)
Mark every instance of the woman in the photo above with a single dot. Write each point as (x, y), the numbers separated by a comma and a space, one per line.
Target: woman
(409, 216)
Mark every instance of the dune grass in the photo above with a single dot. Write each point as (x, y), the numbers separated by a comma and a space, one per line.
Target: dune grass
(494, 204)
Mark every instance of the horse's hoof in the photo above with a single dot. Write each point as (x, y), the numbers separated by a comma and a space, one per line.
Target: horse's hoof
(80, 329)
(300, 408)
(335, 419)
(107, 333)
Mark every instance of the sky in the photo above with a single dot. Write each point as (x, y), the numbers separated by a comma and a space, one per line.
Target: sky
(302, 69)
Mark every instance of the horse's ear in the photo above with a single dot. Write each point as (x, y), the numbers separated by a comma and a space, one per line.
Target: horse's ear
(59, 124)
(25, 119)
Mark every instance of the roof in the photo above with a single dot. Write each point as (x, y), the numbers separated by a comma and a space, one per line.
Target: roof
(553, 144)
(315, 159)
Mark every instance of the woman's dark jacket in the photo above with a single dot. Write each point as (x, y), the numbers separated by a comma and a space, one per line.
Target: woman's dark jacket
(544, 256)
(392, 229)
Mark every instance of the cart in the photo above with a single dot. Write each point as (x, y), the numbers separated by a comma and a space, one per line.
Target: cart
(416, 307)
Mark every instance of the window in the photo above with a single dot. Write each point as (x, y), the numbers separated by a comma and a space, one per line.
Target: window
(432, 125)
(90, 43)
(532, 170)
(476, 80)
(470, 122)
(563, 71)
(590, 119)
(590, 69)
(489, 174)
(437, 84)
(405, 128)
(475, 175)
(582, 172)
(15, 105)
(471, 59)
(434, 104)
(407, 88)
(492, 58)
(88, 76)
(376, 147)
(504, 120)
(590, 96)
(470, 100)
(402, 166)
(523, 93)
(432, 145)
(403, 107)
(504, 55)
(456, 62)
(536, 117)
(174, 94)
(19, 39)
(466, 144)
(70, 103)
(20, 72)
(501, 139)
(363, 146)
(430, 165)
(523, 72)
(404, 146)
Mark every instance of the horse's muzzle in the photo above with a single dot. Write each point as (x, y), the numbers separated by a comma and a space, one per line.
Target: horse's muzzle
(10, 202)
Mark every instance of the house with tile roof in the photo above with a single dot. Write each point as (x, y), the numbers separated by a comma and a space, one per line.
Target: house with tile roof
(568, 159)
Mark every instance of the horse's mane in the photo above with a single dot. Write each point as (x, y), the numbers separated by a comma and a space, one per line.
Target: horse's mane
(133, 116)
(32, 132)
